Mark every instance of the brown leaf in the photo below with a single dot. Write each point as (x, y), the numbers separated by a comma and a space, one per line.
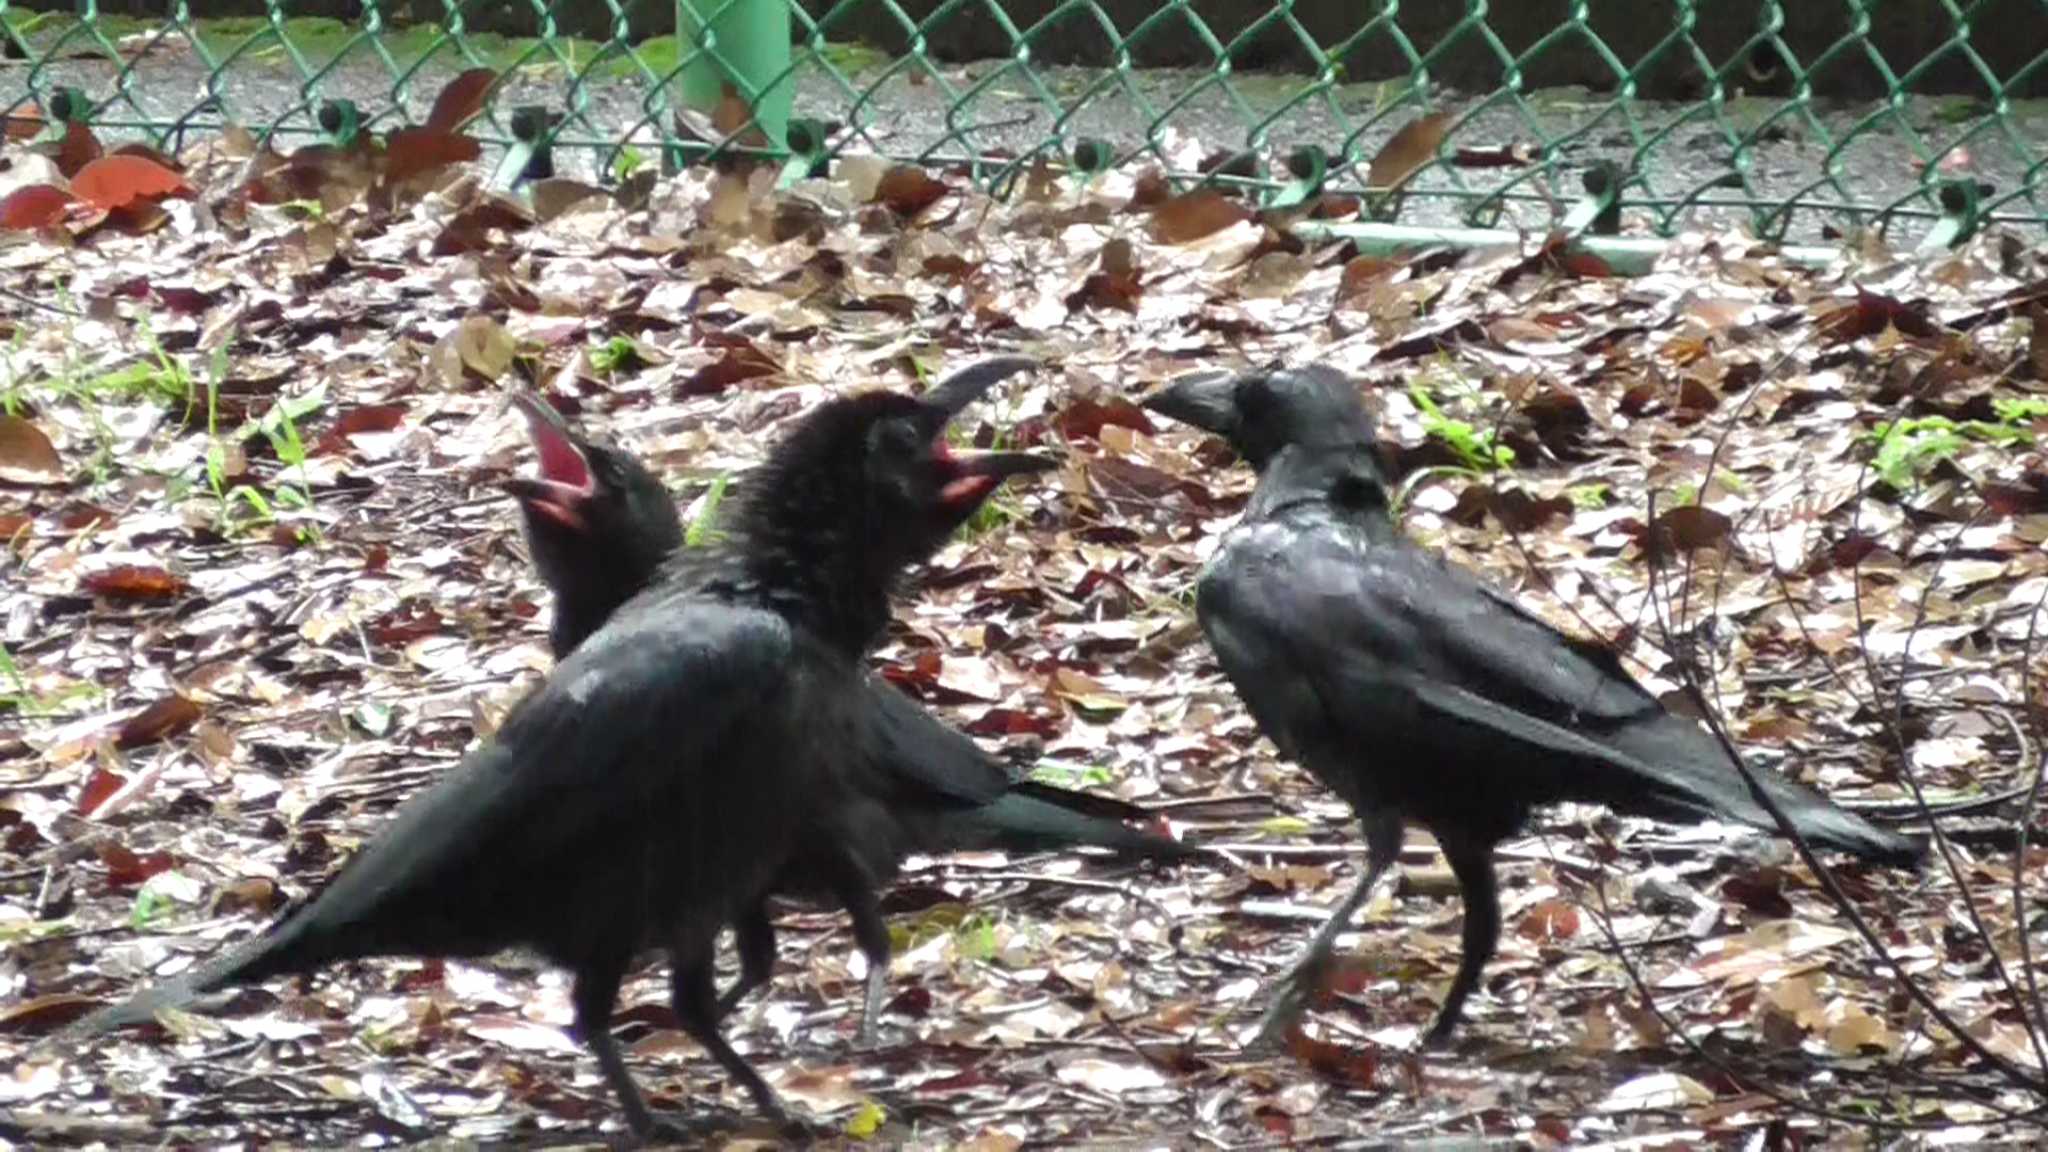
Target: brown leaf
(1514, 507)
(1352, 1067)
(134, 582)
(34, 206)
(480, 345)
(1203, 212)
(1362, 272)
(25, 124)
(1694, 396)
(1550, 920)
(1688, 528)
(253, 893)
(41, 1015)
(1150, 190)
(26, 455)
(727, 370)
(161, 720)
(461, 99)
(556, 195)
(470, 229)
(908, 190)
(117, 181)
(409, 152)
(1407, 150)
(1085, 417)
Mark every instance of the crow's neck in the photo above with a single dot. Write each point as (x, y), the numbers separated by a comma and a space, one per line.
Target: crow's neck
(1338, 481)
(801, 547)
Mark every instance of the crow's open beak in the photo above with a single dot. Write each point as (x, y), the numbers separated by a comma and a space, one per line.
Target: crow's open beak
(976, 474)
(949, 397)
(565, 483)
(1205, 400)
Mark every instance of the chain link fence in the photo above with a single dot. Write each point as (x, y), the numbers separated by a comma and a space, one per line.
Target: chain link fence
(1801, 120)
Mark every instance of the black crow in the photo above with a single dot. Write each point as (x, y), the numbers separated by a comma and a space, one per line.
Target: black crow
(599, 522)
(1418, 693)
(656, 783)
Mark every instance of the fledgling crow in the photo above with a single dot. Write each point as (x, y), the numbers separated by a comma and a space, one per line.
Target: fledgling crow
(662, 776)
(599, 522)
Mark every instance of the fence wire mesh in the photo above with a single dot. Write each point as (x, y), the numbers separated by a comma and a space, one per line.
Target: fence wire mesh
(1798, 119)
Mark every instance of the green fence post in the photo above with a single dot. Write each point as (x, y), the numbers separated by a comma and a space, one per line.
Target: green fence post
(748, 47)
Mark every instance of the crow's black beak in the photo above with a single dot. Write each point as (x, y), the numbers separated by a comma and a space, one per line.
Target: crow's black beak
(1205, 400)
(565, 482)
(949, 397)
(976, 474)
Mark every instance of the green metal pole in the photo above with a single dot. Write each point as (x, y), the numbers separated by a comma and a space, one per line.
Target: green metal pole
(747, 46)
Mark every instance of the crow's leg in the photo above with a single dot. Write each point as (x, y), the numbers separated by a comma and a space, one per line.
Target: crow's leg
(695, 999)
(754, 933)
(1305, 976)
(1472, 861)
(596, 991)
(855, 888)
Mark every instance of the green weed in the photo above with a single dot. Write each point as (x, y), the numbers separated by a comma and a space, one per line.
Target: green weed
(1063, 775)
(1909, 449)
(1478, 448)
(618, 354)
(703, 529)
(1588, 497)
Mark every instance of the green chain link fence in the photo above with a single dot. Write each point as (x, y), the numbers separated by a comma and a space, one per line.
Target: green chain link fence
(1796, 117)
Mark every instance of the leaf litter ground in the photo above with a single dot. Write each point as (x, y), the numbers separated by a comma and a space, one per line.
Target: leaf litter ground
(262, 587)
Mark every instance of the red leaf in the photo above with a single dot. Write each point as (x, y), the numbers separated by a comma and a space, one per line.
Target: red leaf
(134, 582)
(33, 206)
(165, 718)
(127, 869)
(406, 623)
(461, 99)
(908, 190)
(411, 151)
(100, 785)
(138, 148)
(118, 181)
(78, 148)
(370, 418)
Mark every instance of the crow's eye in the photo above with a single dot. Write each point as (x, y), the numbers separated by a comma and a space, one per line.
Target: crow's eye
(900, 440)
(1254, 395)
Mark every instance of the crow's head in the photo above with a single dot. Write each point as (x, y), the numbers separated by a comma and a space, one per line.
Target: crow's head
(875, 468)
(1264, 411)
(597, 520)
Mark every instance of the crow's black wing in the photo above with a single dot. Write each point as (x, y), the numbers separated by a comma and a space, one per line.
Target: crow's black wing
(1394, 649)
(621, 735)
(910, 753)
